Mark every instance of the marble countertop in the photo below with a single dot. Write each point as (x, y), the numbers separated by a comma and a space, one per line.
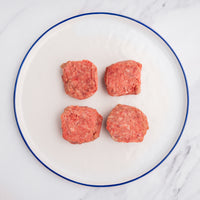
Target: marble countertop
(22, 177)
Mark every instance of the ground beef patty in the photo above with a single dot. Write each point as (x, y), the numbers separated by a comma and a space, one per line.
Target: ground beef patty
(123, 78)
(80, 124)
(127, 124)
(80, 78)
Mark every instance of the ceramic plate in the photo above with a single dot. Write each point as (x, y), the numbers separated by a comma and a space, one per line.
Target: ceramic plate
(103, 38)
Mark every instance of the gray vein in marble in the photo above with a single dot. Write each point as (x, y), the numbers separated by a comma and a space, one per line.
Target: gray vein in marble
(187, 151)
(173, 175)
(174, 163)
(186, 178)
(184, 165)
(14, 17)
(153, 7)
(88, 194)
(117, 193)
(87, 4)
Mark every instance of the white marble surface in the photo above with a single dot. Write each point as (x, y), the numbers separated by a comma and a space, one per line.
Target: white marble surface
(21, 176)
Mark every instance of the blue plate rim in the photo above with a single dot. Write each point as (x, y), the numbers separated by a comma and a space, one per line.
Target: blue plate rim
(123, 16)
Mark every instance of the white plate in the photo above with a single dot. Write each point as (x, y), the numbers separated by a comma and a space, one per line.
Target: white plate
(103, 38)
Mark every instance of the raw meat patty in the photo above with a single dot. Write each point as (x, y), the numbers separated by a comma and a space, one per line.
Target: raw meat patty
(127, 124)
(80, 78)
(80, 124)
(123, 78)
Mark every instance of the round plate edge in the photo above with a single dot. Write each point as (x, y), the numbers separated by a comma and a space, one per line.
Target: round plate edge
(123, 16)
